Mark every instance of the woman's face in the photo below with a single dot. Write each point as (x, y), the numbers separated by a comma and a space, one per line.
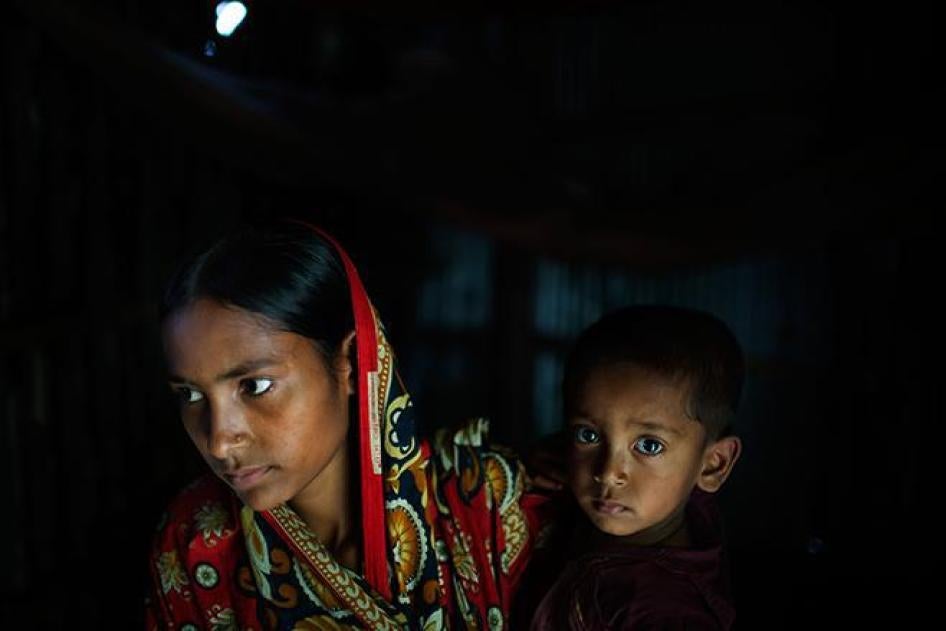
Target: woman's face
(259, 403)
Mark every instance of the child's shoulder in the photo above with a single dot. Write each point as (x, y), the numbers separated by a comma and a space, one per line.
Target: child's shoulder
(664, 592)
(658, 590)
(634, 591)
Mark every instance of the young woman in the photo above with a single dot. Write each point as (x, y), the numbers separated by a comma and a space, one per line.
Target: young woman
(326, 509)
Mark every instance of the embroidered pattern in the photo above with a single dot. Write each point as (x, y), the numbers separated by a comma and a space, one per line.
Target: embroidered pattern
(338, 578)
(211, 520)
(171, 573)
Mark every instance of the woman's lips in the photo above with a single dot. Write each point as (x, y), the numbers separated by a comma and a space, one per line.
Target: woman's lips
(246, 477)
(607, 507)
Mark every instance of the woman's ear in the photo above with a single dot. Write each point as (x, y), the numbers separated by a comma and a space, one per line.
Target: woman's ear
(345, 362)
(718, 460)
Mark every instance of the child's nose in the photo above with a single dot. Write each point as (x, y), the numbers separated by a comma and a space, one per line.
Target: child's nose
(612, 470)
(611, 479)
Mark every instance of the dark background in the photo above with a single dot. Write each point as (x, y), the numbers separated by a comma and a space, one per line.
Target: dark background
(502, 176)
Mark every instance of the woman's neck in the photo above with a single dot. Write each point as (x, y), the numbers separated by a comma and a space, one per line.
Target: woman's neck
(325, 506)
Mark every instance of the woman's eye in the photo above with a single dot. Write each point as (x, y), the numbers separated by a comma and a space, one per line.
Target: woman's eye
(584, 435)
(189, 396)
(648, 446)
(257, 387)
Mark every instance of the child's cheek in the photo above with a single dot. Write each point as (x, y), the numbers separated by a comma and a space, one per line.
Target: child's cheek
(579, 469)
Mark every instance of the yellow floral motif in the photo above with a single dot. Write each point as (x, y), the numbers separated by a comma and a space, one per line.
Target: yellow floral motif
(515, 527)
(392, 442)
(410, 545)
(171, 572)
(463, 560)
(516, 533)
(497, 476)
(211, 520)
(416, 466)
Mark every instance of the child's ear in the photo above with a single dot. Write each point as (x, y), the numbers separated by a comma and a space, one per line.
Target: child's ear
(718, 460)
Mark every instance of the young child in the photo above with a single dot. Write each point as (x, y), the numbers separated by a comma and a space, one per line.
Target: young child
(650, 393)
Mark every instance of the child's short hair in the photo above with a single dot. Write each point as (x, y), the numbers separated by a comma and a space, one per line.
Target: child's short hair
(673, 342)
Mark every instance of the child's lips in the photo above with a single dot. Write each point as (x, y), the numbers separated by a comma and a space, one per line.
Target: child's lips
(608, 507)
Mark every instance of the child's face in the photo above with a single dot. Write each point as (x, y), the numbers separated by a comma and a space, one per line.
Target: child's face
(635, 455)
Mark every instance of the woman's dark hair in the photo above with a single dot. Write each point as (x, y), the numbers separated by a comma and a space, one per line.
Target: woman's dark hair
(286, 273)
(672, 342)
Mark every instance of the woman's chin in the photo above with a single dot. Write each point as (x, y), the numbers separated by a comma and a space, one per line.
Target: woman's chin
(260, 500)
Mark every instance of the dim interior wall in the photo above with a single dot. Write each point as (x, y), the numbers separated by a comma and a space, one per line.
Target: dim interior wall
(841, 415)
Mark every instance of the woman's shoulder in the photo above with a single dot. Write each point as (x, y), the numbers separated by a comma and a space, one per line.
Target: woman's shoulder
(204, 514)
(197, 561)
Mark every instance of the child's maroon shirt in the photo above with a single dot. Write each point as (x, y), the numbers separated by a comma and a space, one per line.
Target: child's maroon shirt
(603, 583)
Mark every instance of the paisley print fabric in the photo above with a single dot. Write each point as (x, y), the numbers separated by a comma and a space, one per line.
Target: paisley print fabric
(455, 534)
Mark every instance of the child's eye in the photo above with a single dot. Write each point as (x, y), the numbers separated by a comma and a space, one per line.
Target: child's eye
(584, 435)
(257, 387)
(189, 396)
(648, 446)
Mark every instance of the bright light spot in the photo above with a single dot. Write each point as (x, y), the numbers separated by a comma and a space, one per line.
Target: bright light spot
(229, 16)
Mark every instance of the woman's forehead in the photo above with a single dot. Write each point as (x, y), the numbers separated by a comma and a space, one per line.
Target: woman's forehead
(208, 334)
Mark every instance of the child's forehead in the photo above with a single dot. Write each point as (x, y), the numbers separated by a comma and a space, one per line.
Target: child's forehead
(628, 395)
(631, 383)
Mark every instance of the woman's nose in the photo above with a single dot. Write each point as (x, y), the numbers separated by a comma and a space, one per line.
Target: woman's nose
(226, 431)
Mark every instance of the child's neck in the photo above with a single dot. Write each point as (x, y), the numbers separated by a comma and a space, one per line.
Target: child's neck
(670, 533)
(679, 538)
